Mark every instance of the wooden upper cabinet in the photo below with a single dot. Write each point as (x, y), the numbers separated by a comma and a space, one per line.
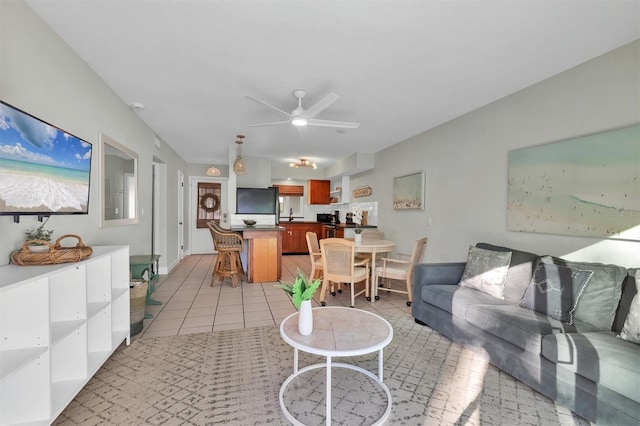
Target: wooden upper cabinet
(290, 190)
(318, 191)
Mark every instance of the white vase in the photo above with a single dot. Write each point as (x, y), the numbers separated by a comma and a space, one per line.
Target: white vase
(358, 238)
(305, 318)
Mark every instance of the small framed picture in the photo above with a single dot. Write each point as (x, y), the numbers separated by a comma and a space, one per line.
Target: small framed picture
(408, 192)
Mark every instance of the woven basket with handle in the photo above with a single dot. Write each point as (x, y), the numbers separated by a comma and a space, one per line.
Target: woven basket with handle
(55, 253)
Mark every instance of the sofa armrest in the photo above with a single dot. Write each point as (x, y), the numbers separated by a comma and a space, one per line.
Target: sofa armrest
(437, 273)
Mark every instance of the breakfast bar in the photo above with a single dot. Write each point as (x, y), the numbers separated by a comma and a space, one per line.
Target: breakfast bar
(262, 254)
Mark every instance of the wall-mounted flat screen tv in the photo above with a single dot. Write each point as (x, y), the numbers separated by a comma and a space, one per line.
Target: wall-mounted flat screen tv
(44, 170)
(256, 200)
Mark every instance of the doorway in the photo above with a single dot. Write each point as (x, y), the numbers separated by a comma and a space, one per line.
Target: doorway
(200, 237)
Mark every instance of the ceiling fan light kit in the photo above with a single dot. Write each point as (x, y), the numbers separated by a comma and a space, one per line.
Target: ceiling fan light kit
(299, 121)
(238, 165)
(305, 117)
(304, 163)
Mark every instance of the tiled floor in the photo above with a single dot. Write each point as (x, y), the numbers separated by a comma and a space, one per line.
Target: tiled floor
(191, 305)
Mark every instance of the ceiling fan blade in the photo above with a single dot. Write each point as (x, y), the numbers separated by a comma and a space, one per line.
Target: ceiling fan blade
(323, 103)
(268, 124)
(329, 123)
(270, 106)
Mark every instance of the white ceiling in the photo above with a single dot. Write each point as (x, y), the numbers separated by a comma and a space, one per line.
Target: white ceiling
(400, 67)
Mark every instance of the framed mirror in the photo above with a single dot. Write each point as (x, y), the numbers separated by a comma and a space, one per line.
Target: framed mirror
(118, 184)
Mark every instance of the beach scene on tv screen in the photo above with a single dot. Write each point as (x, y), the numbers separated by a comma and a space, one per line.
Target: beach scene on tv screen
(42, 168)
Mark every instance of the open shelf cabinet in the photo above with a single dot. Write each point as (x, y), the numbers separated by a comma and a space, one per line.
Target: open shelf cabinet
(58, 325)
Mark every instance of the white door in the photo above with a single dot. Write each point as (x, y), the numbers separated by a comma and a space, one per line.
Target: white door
(180, 215)
(200, 238)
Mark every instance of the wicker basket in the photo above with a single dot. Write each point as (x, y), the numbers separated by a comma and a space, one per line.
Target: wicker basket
(138, 298)
(55, 253)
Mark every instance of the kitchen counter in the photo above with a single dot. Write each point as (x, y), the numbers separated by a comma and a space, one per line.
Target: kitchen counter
(353, 225)
(242, 228)
(263, 251)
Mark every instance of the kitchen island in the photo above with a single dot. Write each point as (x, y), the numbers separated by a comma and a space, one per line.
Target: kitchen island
(263, 252)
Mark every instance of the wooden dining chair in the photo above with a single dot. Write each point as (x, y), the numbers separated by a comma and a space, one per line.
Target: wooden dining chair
(400, 269)
(314, 254)
(369, 234)
(229, 245)
(339, 266)
(372, 234)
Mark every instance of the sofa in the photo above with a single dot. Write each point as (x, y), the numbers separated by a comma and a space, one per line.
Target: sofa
(578, 360)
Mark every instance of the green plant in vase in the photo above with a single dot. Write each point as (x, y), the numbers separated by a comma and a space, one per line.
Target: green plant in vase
(357, 219)
(301, 289)
(39, 234)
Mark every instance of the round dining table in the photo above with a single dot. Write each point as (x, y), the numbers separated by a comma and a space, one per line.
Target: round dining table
(374, 247)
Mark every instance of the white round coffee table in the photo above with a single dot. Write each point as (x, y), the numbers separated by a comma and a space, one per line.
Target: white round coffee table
(342, 332)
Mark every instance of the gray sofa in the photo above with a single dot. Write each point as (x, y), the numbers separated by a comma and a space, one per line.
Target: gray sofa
(586, 368)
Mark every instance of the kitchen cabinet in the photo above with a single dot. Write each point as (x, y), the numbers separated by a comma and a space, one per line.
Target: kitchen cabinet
(318, 191)
(294, 238)
(58, 325)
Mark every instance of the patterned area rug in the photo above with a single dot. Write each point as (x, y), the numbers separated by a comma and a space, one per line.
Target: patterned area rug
(233, 377)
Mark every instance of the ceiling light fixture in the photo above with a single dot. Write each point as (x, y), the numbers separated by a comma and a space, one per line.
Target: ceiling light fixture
(299, 121)
(238, 166)
(213, 171)
(304, 163)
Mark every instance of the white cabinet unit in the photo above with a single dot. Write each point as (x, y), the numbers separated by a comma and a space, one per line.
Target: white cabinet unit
(342, 195)
(58, 325)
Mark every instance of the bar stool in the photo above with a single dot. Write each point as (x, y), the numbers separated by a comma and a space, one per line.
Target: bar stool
(228, 262)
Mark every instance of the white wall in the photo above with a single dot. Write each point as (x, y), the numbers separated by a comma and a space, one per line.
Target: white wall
(40, 74)
(466, 162)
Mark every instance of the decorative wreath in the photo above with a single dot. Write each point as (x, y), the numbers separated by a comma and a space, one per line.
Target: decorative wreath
(205, 205)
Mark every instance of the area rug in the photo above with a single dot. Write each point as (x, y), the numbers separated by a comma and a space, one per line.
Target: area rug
(233, 377)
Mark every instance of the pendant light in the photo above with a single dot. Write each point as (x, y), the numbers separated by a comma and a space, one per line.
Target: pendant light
(238, 165)
(213, 171)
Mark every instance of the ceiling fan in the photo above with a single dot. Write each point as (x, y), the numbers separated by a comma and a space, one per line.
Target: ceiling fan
(305, 117)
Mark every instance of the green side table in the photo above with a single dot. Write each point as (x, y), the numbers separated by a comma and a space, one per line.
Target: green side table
(138, 265)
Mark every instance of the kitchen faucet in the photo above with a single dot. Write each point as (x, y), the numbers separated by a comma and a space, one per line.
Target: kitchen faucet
(290, 214)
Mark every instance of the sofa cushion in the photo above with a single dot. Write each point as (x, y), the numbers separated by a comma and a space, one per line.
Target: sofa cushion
(521, 327)
(628, 293)
(599, 302)
(520, 270)
(555, 291)
(456, 299)
(631, 330)
(486, 270)
(597, 356)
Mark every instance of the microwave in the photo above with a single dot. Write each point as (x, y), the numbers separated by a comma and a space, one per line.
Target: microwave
(324, 217)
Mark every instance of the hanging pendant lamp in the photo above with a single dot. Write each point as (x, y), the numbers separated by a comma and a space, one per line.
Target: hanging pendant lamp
(238, 165)
(213, 171)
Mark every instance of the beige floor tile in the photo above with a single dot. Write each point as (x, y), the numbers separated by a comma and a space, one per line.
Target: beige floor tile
(257, 316)
(178, 304)
(166, 324)
(205, 303)
(181, 297)
(159, 333)
(199, 312)
(223, 309)
(228, 318)
(233, 326)
(252, 307)
(172, 313)
(265, 323)
(198, 321)
(195, 330)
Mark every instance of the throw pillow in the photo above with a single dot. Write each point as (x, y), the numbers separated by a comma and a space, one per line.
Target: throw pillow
(631, 330)
(486, 271)
(600, 301)
(555, 291)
